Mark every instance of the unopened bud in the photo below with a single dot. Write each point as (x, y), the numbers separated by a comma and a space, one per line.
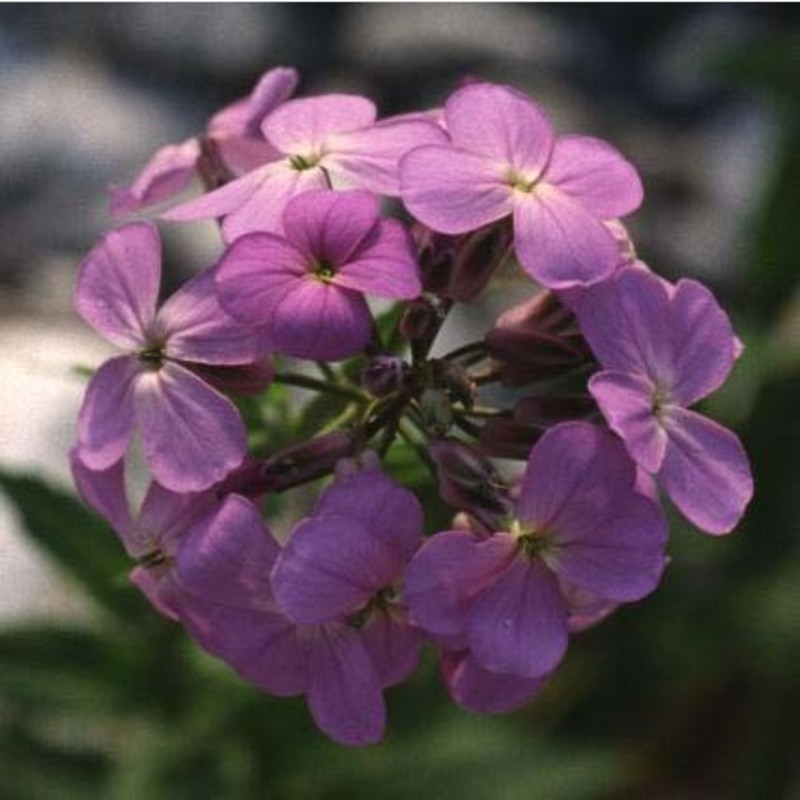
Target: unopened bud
(384, 375)
(437, 411)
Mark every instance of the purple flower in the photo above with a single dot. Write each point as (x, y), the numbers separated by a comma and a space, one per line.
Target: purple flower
(153, 535)
(345, 653)
(235, 134)
(662, 349)
(192, 435)
(305, 288)
(580, 524)
(505, 160)
(319, 139)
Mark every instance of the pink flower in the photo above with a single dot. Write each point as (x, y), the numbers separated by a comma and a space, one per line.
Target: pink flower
(192, 435)
(306, 288)
(234, 133)
(663, 348)
(580, 524)
(504, 160)
(332, 137)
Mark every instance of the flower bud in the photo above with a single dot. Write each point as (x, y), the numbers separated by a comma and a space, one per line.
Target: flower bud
(384, 375)
(437, 410)
(478, 255)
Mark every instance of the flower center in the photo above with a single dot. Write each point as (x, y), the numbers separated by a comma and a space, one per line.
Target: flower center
(301, 163)
(153, 356)
(661, 402)
(521, 183)
(381, 602)
(323, 271)
(531, 542)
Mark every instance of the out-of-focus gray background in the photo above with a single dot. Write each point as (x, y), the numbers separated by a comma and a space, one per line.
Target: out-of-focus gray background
(703, 98)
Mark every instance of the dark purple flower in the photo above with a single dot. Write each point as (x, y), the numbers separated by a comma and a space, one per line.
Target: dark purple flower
(504, 160)
(579, 522)
(305, 289)
(662, 349)
(319, 140)
(192, 434)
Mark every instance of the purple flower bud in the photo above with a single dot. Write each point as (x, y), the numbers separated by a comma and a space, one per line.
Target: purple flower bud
(478, 255)
(384, 375)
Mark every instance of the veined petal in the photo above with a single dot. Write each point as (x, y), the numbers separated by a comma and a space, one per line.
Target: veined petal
(104, 492)
(117, 288)
(454, 191)
(627, 403)
(197, 329)
(558, 242)
(450, 569)
(106, 418)
(320, 321)
(477, 689)
(389, 511)
(501, 123)
(384, 265)
(254, 274)
(518, 624)
(705, 471)
(393, 645)
(192, 435)
(368, 158)
(301, 127)
(168, 173)
(596, 175)
(329, 226)
(331, 566)
(344, 693)
(705, 344)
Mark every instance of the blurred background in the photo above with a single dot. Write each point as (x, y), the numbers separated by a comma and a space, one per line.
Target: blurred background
(692, 694)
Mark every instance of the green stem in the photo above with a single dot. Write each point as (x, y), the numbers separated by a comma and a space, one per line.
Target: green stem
(307, 382)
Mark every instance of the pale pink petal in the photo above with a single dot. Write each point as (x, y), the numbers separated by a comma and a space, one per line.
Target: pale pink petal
(166, 516)
(501, 123)
(453, 191)
(384, 265)
(558, 242)
(518, 624)
(331, 566)
(344, 693)
(154, 584)
(596, 175)
(368, 158)
(627, 403)
(477, 689)
(393, 645)
(197, 329)
(705, 471)
(192, 435)
(104, 492)
(118, 282)
(705, 345)
(242, 155)
(447, 573)
(328, 226)
(168, 173)
(301, 127)
(319, 321)
(106, 418)
(254, 274)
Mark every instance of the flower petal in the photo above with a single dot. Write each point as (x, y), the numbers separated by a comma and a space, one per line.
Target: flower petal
(104, 492)
(501, 123)
(453, 191)
(518, 624)
(165, 517)
(328, 226)
(627, 404)
(389, 511)
(165, 175)
(705, 344)
(197, 329)
(301, 127)
(255, 273)
(596, 175)
(344, 694)
(477, 689)
(393, 645)
(368, 158)
(384, 265)
(705, 471)
(447, 573)
(319, 321)
(192, 435)
(558, 242)
(106, 418)
(117, 287)
(332, 566)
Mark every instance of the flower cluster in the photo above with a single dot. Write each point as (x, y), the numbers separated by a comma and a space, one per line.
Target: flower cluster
(329, 215)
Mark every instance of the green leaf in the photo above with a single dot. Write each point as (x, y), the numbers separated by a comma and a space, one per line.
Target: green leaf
(84, 546)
